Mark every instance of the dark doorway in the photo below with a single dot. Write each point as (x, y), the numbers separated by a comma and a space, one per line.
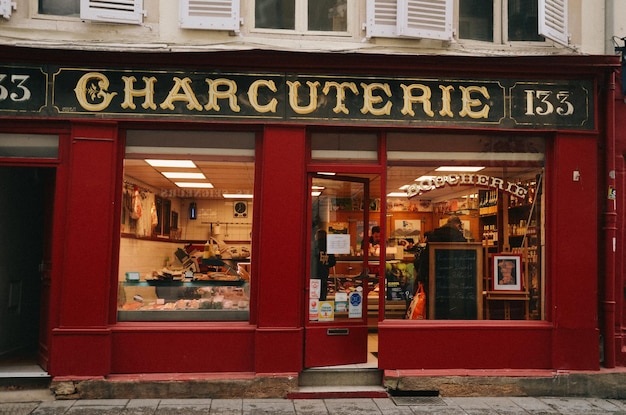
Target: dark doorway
(23, 216)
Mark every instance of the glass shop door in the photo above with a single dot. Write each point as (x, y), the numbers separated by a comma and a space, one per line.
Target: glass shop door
(338, 279)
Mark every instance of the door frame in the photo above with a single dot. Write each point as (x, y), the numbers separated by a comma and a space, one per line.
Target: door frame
(344, 341)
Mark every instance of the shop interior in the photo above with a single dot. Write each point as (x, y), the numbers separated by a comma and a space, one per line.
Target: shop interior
(164, 266)
(186, 226)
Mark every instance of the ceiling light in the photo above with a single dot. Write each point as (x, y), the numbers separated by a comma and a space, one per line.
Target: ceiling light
(182, 175)
(316, 193)
(423, 178)
(397, 194)
(171, 163)
(460, 168)
(195, 185)
(237, 196)
(326, 173)
(317, 188)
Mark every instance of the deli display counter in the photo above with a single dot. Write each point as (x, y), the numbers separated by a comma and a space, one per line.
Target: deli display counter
(220, 294)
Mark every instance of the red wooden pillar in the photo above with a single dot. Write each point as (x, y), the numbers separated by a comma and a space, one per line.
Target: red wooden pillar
(280, 250)
(80, 343)
(572, 232)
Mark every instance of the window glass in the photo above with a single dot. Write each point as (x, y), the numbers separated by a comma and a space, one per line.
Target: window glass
(476, 20)
(301, 15)
(467, 214)
(275, 14)
(327, 15)
(185, 243)
(482, 20)
(29, 145)
(60, 7)
(523, 23)
(341, 146)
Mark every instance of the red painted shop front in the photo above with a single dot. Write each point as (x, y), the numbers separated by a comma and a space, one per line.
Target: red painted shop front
(95, 321)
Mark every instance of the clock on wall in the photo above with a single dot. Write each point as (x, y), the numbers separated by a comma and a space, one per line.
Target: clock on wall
(240, 209)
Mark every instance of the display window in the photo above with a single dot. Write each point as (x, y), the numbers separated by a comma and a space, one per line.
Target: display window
(465, 217)
(186, 226)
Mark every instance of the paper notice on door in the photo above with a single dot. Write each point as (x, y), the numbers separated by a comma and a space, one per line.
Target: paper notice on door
(338, 244)
(314, 288)
(355, 305)
(327, 311)
(314, 309)
(341, 302)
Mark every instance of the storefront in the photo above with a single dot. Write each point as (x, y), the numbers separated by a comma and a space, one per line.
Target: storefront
(295, 158)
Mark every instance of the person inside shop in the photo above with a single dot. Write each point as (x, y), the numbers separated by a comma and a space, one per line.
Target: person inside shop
(451, 231)
(374, 241)
(324, 262)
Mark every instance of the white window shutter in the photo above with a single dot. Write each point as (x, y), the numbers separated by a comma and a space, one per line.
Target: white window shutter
(209, 14)
(6, 6)
(553, 20)
(381, 18)
(427, 19)
(115, 11)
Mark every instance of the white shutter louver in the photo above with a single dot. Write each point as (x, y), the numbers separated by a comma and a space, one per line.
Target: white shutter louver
(553, 20)
(209, 14)
(427, 19)
(115, 11)
(6, 6)
(381, 18)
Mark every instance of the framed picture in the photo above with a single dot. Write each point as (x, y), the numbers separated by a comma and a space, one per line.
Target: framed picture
(507, 272)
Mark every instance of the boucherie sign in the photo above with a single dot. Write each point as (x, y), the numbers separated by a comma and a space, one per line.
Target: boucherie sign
(506, 103)
(466, 179)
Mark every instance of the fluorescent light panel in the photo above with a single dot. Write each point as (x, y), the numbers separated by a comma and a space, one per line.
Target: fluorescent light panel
(422, 178)
(237, 196)
(182, 175)
(470, 169)
(171, 163)
(196, 185)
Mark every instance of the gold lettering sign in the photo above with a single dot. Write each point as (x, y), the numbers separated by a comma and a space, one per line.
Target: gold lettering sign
(502, 103)
(466, 179)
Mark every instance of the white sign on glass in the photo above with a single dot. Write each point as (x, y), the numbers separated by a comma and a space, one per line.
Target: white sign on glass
(338, 243)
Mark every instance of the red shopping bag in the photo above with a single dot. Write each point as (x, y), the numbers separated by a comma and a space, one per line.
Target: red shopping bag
(417, 309)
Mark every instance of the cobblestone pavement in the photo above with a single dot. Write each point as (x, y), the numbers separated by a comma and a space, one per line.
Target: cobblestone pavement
(387, 406)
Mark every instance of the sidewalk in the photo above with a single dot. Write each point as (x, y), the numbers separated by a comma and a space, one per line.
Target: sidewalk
(43, 405)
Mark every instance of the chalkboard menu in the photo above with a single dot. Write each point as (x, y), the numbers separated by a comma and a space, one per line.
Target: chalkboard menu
(455, 283)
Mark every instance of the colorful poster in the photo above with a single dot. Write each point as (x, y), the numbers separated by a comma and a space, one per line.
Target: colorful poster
(314, 309)
(341, 302)
(327, 311)
(355, 305)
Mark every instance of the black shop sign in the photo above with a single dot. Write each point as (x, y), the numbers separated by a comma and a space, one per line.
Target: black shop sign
(287, 97)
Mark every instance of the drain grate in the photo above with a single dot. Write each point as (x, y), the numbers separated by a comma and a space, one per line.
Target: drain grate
(418, 400)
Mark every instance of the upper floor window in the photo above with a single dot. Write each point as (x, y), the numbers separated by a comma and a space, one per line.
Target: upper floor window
(59, 7)
(497, 21)
(117, 11)
(301, 15)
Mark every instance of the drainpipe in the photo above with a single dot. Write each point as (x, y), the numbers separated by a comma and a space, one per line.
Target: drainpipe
(610, 230)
